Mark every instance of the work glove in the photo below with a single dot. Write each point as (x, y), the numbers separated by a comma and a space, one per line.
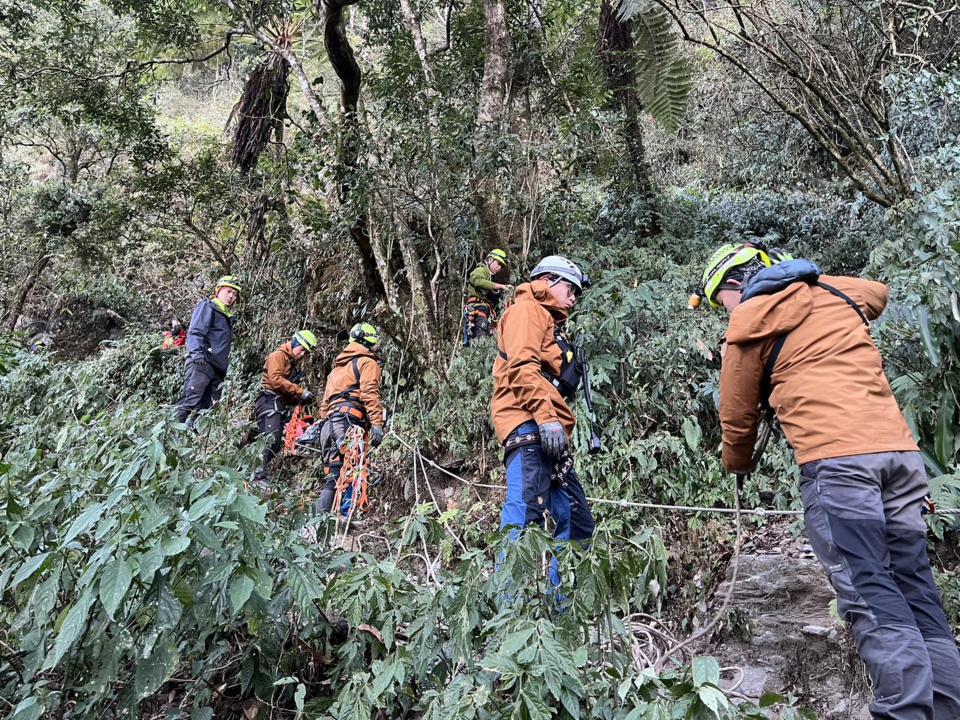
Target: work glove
(553, 439)
(306, 398)
(376, 436)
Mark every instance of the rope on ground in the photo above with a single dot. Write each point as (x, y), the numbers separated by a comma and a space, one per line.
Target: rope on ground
(759, 512)
(735, 564)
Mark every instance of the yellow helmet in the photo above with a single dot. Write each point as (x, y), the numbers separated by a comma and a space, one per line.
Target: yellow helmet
(499, 255)
(228, 281)
(365, 334)
(306, 339)
(725, 259)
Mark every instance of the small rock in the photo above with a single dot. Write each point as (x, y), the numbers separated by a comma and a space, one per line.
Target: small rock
(815, 630)
(448, 492)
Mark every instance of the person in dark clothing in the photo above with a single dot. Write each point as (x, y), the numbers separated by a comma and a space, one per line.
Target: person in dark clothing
(208, 350)
(279, 392)
(800, 342)
(351, 398)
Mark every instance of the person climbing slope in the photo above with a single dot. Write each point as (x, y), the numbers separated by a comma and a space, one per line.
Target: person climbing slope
(802, 341)
(484, 296)
(351, 398)
(208, 350)
(535, 376)
(280, 393)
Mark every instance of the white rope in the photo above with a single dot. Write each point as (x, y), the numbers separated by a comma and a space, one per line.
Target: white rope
(622, 503)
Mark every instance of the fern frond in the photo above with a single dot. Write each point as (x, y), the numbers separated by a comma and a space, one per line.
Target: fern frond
(663, 74)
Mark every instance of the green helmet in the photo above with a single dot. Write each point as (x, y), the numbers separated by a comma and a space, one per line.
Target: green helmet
(306, 339)
(499, 255)
(365, 334)
(228, 281)
(725, 259)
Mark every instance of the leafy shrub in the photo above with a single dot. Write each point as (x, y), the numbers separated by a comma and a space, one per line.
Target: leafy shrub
(137, 566)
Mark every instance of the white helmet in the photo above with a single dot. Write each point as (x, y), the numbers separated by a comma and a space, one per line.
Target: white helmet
(562, 268)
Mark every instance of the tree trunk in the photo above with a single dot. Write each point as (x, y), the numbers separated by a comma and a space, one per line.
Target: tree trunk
(345, 65)
(23, 292)
(490, 118)
(614, 48)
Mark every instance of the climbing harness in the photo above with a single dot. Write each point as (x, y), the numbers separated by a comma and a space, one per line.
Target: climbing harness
(478, 319)
(347, 401)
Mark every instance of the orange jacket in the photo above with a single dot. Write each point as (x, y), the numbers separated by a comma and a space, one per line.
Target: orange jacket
(342, 378)
(828, 387)
(276, 375)
(526, 337)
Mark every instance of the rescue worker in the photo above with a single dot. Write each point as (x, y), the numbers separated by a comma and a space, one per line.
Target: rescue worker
(208, 349)
(279, 392)
(806, 338)
(351, 398)
(483, 296)
(535, 377)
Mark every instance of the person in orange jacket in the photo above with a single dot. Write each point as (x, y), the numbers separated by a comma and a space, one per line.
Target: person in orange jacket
(279, 392)
(799, 342)
(535, 376)
(351, 398)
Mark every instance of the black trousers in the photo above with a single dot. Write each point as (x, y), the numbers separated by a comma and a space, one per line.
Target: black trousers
(272, 415)
(201, 389)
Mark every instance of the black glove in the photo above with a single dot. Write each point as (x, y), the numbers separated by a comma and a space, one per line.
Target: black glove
(306, 398)
(376, 436)
(553, 439)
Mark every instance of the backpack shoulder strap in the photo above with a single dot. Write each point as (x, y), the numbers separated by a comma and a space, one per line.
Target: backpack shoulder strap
(845, 298)
(768, 372)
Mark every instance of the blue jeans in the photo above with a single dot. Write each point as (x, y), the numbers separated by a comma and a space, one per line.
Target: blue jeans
(862, 514)
(531, 492)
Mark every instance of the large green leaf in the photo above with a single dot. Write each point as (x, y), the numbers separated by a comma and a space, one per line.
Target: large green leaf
(241, 586)
(663, 74)
(154, 670)
(86, 520)
(705, 670)
(943, 439)
(70, 629)
(29, 567)
(114, 581)
(926, 337)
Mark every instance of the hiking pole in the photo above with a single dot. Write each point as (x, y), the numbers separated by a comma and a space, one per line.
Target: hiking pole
(595, 445)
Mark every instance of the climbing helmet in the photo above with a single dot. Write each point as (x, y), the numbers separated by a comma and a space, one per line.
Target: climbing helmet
(228, 281)
(727, 258)
(499, 255)
(306, 339)
(365, 334)
(563, 269)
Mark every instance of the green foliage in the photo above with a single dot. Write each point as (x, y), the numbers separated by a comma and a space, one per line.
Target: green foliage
(133, 555)
(664, 79)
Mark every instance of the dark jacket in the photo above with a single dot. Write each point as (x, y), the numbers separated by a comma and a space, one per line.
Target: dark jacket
(210, 335)
(828, 387)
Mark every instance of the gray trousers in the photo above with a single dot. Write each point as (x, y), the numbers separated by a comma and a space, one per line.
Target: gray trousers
(332, 432)
(863, 519)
